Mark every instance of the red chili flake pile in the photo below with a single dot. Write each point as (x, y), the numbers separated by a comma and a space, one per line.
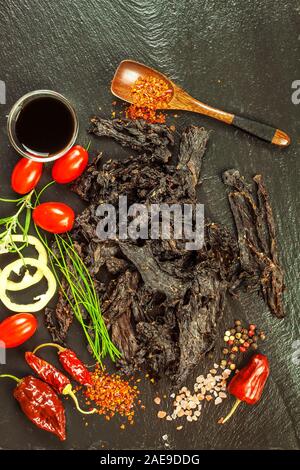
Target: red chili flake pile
(112, 394)
(149, 94)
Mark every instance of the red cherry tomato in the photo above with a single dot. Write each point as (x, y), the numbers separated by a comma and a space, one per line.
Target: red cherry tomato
(26, 175)
(71, 165)
(17, 329)
(54, 217)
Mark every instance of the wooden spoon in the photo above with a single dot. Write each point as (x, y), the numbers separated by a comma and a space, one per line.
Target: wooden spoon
(129, 71)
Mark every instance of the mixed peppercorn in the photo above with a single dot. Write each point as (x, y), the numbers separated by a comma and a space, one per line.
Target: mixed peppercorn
(148, 95)
(239, 339)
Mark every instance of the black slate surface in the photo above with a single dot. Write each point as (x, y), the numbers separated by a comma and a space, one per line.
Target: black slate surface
(240, 56)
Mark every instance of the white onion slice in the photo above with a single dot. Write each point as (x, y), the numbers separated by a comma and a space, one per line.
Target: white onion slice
(42, 300)
(28, 279)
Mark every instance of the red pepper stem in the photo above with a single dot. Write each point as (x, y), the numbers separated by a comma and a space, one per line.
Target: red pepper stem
(233, 409)
(10, 377)
(54, 345)
(68, 391)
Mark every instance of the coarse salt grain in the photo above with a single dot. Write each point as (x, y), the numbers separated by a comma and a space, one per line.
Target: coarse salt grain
(211, 386)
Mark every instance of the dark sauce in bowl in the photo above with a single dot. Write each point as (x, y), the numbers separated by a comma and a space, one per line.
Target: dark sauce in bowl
(44, 126)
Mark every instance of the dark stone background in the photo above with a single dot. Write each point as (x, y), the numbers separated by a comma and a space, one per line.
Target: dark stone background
(238, 55)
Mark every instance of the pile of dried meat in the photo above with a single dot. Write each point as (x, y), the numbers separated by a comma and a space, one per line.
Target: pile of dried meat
(161, 302)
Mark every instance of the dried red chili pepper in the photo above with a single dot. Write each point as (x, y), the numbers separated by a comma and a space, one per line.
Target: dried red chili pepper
(248, 384)
(75, 367)
(71, 364)
(40, 404)
(53, 377)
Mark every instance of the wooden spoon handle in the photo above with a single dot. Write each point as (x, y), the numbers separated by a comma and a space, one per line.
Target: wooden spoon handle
(263, 131)
(184, 101)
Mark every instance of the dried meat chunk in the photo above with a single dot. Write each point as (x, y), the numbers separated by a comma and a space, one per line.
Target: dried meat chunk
(156, 279)
(198, 315)
(191, 151)
(137, 135)
(59, 320)
(158, 347)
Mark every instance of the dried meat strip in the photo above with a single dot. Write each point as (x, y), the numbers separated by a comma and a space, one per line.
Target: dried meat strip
(255, 226)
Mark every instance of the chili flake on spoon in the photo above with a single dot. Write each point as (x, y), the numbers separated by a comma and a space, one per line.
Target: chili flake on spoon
(148, 95)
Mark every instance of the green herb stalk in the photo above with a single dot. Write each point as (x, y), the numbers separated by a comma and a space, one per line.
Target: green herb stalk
(82, 295)
(12, 224)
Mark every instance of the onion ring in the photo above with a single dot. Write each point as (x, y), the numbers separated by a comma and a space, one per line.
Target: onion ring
(42, 300)
(28, 279)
